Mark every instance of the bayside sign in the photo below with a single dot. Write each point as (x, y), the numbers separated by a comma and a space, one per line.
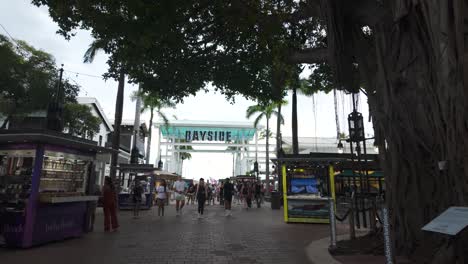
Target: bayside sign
(202, 135)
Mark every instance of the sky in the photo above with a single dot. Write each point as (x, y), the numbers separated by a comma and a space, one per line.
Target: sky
(316, 116)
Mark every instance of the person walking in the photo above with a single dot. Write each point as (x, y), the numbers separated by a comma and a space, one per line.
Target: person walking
(179, 189)
(258, 193)
(109, 201)
(137, 192)
(202, 194)
(190, 194)
(228, 191)
(161, 197)
(247, 194)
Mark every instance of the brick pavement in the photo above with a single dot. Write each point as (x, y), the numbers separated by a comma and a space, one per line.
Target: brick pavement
(254, 236)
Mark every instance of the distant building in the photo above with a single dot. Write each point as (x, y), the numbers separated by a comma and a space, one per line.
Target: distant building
(321, 144)
(126, 141)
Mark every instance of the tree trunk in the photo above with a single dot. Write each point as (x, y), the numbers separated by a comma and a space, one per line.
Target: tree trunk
(267, 162)
(117, 122)
(150, 131)
(295, 140)
(278, 132)
(415, 72)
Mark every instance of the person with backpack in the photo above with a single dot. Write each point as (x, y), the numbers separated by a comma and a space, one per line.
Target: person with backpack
(161, 197)
(201, 194)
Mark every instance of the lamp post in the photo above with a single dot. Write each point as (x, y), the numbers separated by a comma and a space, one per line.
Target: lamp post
(55, 108)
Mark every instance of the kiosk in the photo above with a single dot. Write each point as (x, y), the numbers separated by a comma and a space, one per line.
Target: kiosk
(132, 172)
(307, 185)
(45, 181)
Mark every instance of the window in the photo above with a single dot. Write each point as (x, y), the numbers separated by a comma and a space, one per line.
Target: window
(100, 140)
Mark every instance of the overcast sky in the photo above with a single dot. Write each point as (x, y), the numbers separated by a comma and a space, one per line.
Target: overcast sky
(27, 22)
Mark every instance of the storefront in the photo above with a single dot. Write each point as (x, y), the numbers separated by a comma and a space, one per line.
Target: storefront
(144, 173)
(45, 182)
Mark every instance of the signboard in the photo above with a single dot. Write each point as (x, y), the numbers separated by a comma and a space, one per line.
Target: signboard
(204, 135)
(450, 222)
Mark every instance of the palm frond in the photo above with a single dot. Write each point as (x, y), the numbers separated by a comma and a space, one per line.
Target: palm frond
(253, 109)
(258, 119)
(164, 118)
(93, 48)
(276, 113)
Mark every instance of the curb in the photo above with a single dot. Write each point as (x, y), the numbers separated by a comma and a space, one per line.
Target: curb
(317, 251)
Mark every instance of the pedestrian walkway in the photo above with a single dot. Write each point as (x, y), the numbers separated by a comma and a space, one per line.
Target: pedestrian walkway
(253, 236)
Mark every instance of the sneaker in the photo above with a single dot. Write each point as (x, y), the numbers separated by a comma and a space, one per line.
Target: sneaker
(199, 216)
(177, 213)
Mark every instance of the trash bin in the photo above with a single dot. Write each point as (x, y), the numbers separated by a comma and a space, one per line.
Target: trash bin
(275, 200)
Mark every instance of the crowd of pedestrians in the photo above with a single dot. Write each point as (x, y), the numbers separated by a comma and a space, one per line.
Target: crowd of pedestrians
(225, 193)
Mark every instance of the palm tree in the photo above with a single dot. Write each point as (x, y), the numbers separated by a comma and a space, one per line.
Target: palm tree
(89, 58)
(278, 127)
(265, 111)
(184, 155)
(153, 103)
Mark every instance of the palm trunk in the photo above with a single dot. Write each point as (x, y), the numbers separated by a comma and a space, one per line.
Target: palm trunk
(295, 140)
(117, 123)
(267, 162)
(278, 132)
(150, 131)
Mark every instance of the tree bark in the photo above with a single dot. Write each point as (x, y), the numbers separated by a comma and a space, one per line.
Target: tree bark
(267, 162)
(117, 123)
(417, 97)
(150, 131)
(278, 132)
(295, 140)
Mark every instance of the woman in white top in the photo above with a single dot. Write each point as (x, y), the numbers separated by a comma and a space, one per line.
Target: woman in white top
(161, 196)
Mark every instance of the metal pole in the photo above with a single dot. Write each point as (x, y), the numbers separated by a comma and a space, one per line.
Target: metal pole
(332, 224)
(387, 240)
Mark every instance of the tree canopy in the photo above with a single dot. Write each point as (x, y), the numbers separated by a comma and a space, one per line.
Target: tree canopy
(28, 81)
(241, 47)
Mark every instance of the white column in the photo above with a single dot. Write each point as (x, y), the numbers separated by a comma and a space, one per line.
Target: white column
(166, 163)
(158, 155)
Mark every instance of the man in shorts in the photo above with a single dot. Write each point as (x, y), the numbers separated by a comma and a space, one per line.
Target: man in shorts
(179, 190)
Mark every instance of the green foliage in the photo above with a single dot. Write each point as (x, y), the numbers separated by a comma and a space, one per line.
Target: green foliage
(79, 121)
(178, 47)
(28, 79)
(263, 110)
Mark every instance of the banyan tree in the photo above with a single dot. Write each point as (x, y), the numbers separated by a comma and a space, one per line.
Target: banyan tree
(410, 56)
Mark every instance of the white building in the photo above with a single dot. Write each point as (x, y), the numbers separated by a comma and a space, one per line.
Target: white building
(102, 137)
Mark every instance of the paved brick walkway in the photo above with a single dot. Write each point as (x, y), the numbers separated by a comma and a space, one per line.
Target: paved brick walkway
(254, 236)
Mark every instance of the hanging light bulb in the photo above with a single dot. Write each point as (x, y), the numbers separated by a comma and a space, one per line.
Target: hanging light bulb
(376, 147)
(340, 147)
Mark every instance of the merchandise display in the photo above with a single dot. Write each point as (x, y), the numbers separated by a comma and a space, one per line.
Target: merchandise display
(44, 187)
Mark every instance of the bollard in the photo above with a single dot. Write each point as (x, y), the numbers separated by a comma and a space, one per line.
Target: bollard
(332, 225)
(387, 240)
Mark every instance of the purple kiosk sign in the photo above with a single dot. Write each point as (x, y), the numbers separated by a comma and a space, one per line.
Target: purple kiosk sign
(44, 185)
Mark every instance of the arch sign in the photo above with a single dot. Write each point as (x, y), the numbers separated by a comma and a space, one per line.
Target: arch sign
(225, 132)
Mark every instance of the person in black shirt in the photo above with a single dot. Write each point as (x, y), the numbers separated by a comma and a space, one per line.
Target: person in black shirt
(137, 192)
(202, 194)
(228, 191)
(258, 194)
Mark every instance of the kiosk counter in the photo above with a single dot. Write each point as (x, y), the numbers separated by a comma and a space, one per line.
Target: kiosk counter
(45, 179)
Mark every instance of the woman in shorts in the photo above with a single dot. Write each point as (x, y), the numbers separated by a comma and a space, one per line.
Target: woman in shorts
(161, 197)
